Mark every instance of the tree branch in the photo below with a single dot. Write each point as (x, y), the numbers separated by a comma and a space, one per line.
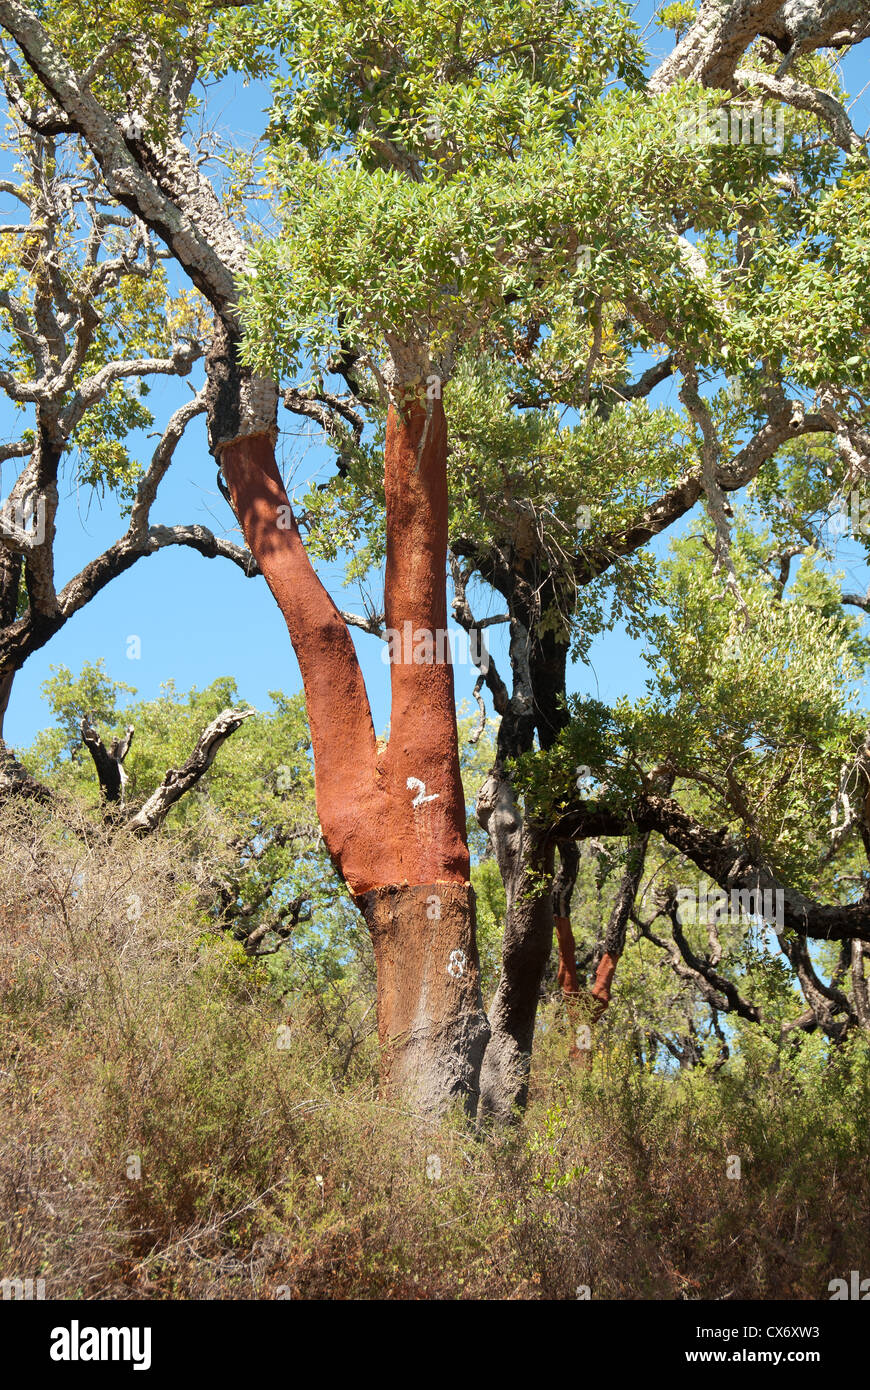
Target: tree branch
(805, 98)
(178, 781)
(109, 762)
(736, 868)
(724, 29)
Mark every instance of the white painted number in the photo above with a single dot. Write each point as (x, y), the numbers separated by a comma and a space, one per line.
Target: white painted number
(421, 791)
(456, 966)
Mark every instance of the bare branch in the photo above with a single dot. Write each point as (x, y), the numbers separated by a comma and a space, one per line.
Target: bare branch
(715, 987)
(160, 461)
(857, 600)
(481, 658)
(372, 623)
(95, 387)
(178, 781)
(737, 867)
(108, 761)
(805, 98)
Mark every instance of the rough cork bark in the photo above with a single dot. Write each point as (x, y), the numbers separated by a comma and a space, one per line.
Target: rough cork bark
(431, 1023)
(521, 852)
(504, 1079)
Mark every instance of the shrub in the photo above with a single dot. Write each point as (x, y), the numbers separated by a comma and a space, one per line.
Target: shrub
(156, 1141)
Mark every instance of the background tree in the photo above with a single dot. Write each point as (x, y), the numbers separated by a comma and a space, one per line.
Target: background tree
(88, 321)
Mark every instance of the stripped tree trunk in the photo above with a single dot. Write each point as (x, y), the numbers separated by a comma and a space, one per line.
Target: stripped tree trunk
(586, 1006)
(611, 946)
(563, 889)
(568, 976)
(393, 821)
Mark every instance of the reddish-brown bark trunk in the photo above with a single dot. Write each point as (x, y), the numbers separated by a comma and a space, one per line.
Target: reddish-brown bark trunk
(571, 990)
(342, 734)
(603, 980)
(430, 838)
(373, 829)
(393, 822)
(567, 977)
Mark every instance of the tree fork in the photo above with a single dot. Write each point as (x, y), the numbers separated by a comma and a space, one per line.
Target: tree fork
(394, 822)
(342, 734)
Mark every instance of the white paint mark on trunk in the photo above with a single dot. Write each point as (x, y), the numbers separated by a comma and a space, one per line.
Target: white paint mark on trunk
(421, 796)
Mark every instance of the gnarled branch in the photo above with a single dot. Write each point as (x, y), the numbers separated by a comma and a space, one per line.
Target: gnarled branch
(178, 781)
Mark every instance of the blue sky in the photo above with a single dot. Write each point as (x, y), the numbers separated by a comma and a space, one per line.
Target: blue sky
(198, 619)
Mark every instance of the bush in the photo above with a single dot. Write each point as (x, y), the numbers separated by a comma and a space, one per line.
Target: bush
(156, 1141)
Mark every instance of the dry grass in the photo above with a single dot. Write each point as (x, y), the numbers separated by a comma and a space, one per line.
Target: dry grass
(129, 1032)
